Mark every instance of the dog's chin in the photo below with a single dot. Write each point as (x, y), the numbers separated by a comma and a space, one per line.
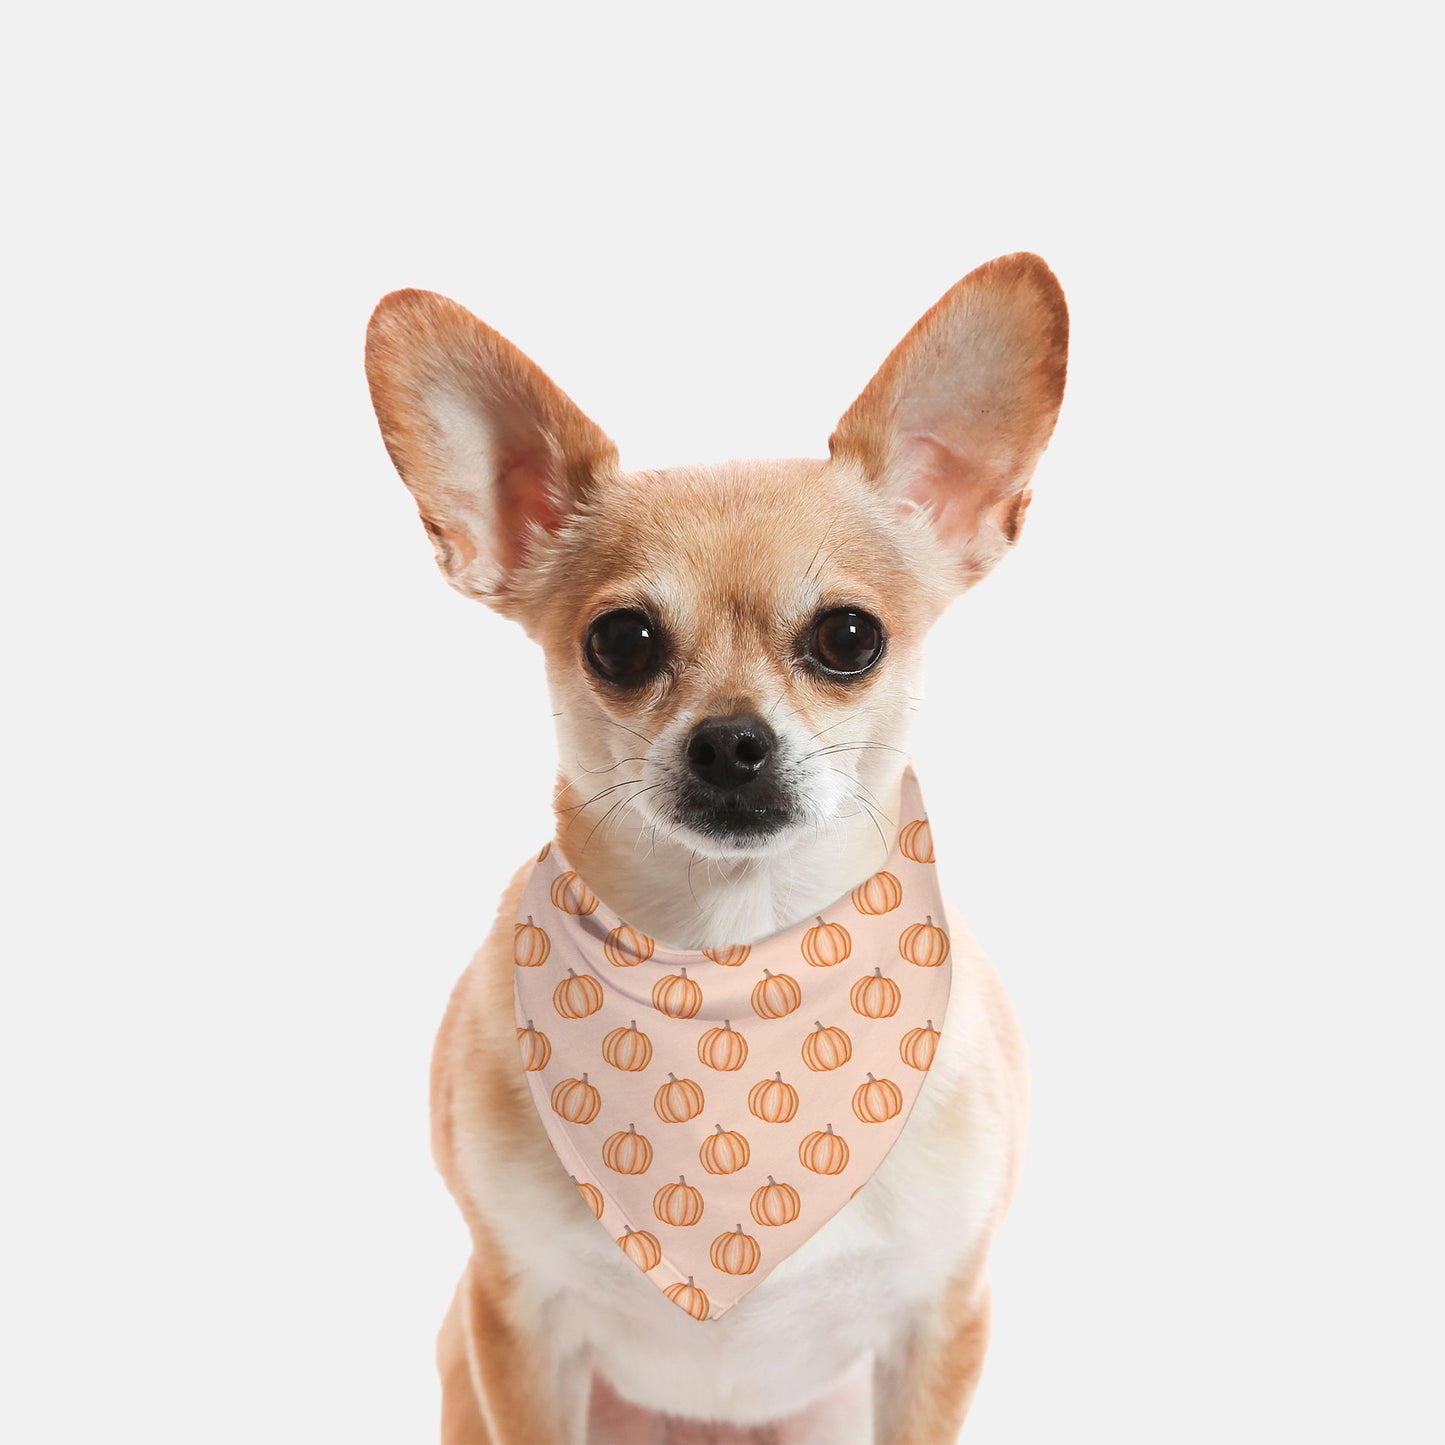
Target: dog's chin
(734, 826)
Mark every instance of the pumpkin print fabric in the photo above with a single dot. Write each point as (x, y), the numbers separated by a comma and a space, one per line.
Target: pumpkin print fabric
(716, 1107)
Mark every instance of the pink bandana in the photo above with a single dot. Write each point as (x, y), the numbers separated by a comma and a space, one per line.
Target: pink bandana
(717, 1107)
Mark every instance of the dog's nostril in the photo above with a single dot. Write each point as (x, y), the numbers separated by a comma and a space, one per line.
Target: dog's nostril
(751, 749)
(730, 751)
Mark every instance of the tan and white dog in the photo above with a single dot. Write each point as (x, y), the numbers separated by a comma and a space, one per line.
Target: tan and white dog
(733, 654)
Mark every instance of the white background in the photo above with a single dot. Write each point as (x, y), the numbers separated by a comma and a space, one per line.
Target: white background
(267, 774)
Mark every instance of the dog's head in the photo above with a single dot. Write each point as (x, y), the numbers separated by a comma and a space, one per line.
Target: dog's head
(733, 650)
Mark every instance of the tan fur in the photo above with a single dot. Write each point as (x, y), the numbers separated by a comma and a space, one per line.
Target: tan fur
(529, 510)
(944, 1370)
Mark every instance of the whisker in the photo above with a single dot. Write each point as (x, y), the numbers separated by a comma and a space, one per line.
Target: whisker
(858, 797)
(869, 791)
(854, 747)
(581, 807)
(620, 803)
(594, 772)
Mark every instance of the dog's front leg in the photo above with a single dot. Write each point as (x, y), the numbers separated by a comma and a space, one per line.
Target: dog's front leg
(922, 1394)
(497, 1386)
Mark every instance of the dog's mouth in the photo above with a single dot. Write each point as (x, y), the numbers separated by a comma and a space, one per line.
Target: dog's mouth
(740, 820)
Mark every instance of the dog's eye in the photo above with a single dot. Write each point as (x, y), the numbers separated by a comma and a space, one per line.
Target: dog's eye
(623, 646)
(846, 641)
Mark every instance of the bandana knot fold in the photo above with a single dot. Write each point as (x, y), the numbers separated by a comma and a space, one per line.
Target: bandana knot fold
(716, 1107)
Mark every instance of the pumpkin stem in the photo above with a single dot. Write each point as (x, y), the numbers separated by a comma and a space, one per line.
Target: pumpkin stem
(684, 973)
(830, 1128)
(673, 1077)
(871, 1079)
(584, 1078)
(819, 1022)
(627, 1229)
(779, 1076)
(819, 917)
(682, 1179)
(930, 1025)
(767, 973)
(571, 973)
(719, 1128)
(529, 920)
(632, 1128)
(689, 1282)
(771, 1180)
(727, 1026)
(740, 1229)
(529, 1025)
(878, 973)
(929, 919)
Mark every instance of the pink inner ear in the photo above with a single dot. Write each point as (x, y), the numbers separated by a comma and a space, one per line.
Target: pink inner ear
(959, 490)
(524, 494)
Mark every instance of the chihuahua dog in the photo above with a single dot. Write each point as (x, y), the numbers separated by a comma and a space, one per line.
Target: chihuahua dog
(706, 601)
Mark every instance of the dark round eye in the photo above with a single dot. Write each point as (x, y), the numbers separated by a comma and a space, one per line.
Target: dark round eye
(846, 640)
(623, 646)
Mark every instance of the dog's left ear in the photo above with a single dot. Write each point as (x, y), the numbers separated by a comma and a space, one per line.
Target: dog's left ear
(957, 416)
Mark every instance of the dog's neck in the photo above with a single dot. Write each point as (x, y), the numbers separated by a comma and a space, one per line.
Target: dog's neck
(681, 898)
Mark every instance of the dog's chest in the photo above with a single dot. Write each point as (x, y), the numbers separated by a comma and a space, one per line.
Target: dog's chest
(853, 1288)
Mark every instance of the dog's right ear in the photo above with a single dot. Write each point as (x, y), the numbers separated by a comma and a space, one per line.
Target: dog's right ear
(494, 453)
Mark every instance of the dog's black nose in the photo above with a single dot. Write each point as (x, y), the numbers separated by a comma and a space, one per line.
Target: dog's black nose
(730, 751)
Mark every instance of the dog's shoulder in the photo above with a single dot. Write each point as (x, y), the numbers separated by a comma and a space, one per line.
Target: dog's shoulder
(475, 1048)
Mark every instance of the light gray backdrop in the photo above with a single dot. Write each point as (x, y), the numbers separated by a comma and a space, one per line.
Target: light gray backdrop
(267, 774)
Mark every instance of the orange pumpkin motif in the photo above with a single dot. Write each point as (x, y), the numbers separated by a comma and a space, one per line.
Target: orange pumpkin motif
(689, 1297)
(628, 1049)
(877, 1101)
(678, 1100)
(577, 995)
(731, 957)
(923, 944)
(735, 1253)
(773, 1101)
(826, 1048)
(536, 1048)
(876, 997)
(679, 1205)
(776, 995)
(572, 895)
(591, 1195)
(641, 1247)
(677, 995)
(918, 1047)
(775, 1204)
(628, 1153)
(826, 945)
(625, 947)
(724, 1049)
(916, 841)
(724, 1152)
(881, 893)
(530, 944)
(577, 1101)
(824, 1152)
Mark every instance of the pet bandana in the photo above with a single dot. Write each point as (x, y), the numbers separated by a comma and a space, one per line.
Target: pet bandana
(716, 1107)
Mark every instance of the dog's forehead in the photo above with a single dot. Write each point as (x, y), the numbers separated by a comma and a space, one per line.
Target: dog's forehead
(757, 537)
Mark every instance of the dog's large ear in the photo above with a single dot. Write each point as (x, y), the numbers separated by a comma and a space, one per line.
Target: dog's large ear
(957, 416)
(494, 453)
